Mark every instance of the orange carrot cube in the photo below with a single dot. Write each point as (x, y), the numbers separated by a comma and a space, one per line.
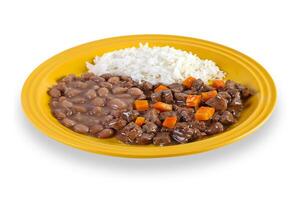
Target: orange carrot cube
(218, 84)
(140, 121)
(160, 88)
(208, 95)
(193, 100)
(188, 82)
(170, 122)
(141, 105)
(204, 113)
(162, 106)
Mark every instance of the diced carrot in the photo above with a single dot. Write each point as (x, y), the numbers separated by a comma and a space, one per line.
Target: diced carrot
(162, 106)
(140, 121)
(193, 100)
(141, 105)
(218, 83)
(208, 95)
(188, 82)
(161, 88)
(204, 113)
(170, 122)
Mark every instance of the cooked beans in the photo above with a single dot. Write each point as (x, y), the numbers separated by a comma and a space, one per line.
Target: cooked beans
(95, 110)
(117, 104)
(90, 94)
(71, 92)
(135, 91)
(79, 84)
(106, 133)
(106, 85)
(81, 128)
(78, 100)
(98, 101)
(114, 80)
(54, 104)
(66, 104)
(96, 128)
(103, 92)
(59, 114)
(119, 90)
(79, 108)
(54, 92)
(68, 122)
(102, 106)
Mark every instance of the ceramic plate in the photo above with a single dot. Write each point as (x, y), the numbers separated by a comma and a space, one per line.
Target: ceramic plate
(238, 67)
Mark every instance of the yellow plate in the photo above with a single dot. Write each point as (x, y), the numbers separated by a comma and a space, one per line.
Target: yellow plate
(238, 67)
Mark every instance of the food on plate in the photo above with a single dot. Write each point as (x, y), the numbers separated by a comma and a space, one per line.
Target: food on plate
(149, 95)
(137, 113)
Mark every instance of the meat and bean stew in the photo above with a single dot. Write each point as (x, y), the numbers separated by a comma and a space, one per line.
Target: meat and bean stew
(142, 113)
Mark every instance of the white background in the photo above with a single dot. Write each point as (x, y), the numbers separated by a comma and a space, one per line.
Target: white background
(264, 165)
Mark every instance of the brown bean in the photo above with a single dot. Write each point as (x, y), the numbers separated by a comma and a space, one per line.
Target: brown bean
(91, 83)
(98, 101)
(123, 96)
(66, 104)
(97, 79)
(59, 114)
(95, 87)
(78, 117)
(103, 92)
(61, 99)
(125, 78)
(128, 84)
(68, 78)
(54, 92)
(95, 110)
(119, 90)
(68, 112)
(107, 118)
(80, 84)
(117, 104)
(79, 100)
(114, 80)
(88, 121)
(79, 108)
(61, 86)
(96, 128)
(54, 104)
(81, 128)
(90, 94)
(106, 85)
(105, 133)
(71, 92)
(68, 122)
(87, 76)
(135, 91)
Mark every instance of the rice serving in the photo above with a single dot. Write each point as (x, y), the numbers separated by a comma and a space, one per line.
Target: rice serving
(155, 64)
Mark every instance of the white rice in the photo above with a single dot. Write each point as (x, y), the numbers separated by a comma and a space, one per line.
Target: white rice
(155, 64)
